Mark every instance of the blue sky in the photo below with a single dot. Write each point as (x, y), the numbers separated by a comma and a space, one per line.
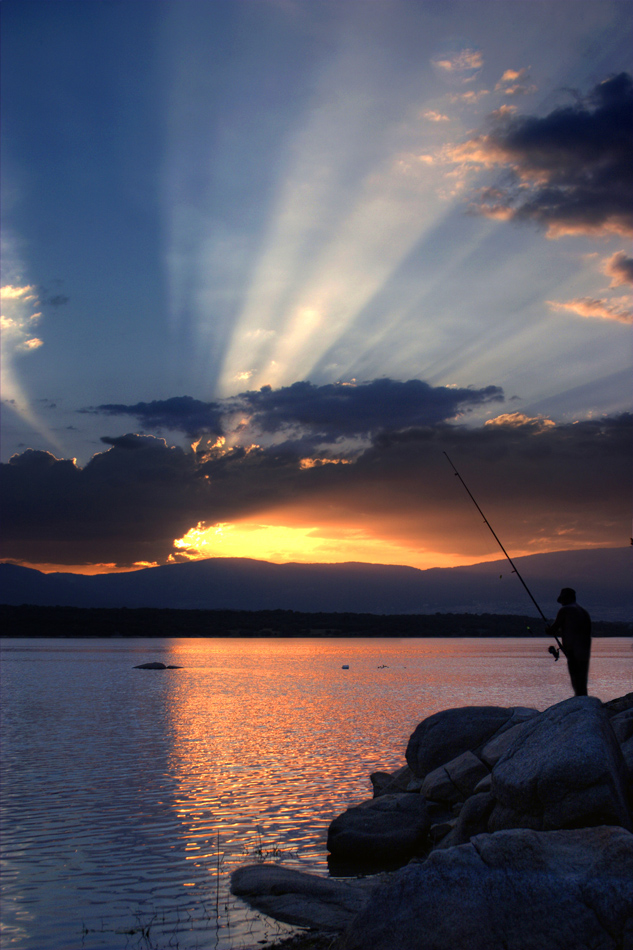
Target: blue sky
(201, 199)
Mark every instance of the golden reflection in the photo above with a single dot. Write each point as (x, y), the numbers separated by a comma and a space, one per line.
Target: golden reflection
(270, 738)
(227, 755)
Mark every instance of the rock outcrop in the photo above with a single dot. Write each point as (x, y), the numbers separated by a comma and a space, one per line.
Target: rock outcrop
(564, 770)
(301, 899)
(622, 724)
(385, 829)
(448, 734)
(455, 781)
(622, 703)
(567, 767)
(473, 819)
(517, 826)
(390, 783)
(520, 890)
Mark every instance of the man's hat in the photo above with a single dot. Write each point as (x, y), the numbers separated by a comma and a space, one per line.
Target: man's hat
(567, 593)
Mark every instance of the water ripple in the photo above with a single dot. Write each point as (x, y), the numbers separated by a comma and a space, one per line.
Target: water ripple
(130, 796)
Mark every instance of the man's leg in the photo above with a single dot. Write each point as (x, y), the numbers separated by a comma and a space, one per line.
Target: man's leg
(578, 673)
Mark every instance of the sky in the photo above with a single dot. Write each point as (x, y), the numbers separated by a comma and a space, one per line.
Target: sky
(265, 263)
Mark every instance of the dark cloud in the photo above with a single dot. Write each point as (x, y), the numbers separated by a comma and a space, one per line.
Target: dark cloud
(359, 409)
(52, 296)
(180, 413)
(126, 441)
(542, 486)
(572, 170)
(122, 507)
(324, 413)
(619, 267)
(555, 486)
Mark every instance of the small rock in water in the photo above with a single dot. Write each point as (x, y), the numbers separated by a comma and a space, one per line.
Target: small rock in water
(156, 666)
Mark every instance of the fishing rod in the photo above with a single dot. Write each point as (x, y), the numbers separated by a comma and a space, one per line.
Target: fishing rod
(515, 570)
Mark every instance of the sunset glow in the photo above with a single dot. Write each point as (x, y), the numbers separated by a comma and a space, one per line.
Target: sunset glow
(87, 569)
(335, 240)
(307, 545)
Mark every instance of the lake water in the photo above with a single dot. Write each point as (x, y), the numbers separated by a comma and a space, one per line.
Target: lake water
(129, 796)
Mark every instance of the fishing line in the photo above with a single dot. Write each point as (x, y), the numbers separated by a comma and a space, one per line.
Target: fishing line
(515, 570)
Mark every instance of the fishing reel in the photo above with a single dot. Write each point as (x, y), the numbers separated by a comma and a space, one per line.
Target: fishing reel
(554, 651)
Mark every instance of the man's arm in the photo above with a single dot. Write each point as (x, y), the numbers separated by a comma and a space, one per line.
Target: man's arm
(557, 626)
(554, 628)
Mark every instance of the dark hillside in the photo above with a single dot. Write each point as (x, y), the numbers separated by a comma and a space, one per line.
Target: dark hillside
(602, 578)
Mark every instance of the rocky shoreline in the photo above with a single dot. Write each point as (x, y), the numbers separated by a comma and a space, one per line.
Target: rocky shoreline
(511, 827)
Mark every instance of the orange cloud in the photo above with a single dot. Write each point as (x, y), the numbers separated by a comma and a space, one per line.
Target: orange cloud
(512, 83)
(316, 462)
(516, 419)
(469, 97)
(464, 61)
(503, 112)
(619, 309)
(512, 75)
(433, 116)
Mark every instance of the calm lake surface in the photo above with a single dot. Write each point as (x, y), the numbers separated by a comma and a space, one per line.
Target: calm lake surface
(129, 796)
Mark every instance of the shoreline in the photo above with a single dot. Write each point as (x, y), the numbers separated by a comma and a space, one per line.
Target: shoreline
(34, 621)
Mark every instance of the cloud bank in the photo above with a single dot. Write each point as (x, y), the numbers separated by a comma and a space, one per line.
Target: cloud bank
(545, 486)
(341, 409)
(329, 412)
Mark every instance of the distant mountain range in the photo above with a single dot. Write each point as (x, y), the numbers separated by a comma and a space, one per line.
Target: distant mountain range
(602, 578)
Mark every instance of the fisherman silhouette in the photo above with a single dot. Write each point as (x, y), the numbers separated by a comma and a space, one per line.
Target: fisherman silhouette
(574, 624)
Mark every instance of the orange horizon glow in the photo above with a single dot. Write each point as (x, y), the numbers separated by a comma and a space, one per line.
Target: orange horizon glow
(310, 544)
(324, 544)
(301, 544)
(88, 569)
(279, 544)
